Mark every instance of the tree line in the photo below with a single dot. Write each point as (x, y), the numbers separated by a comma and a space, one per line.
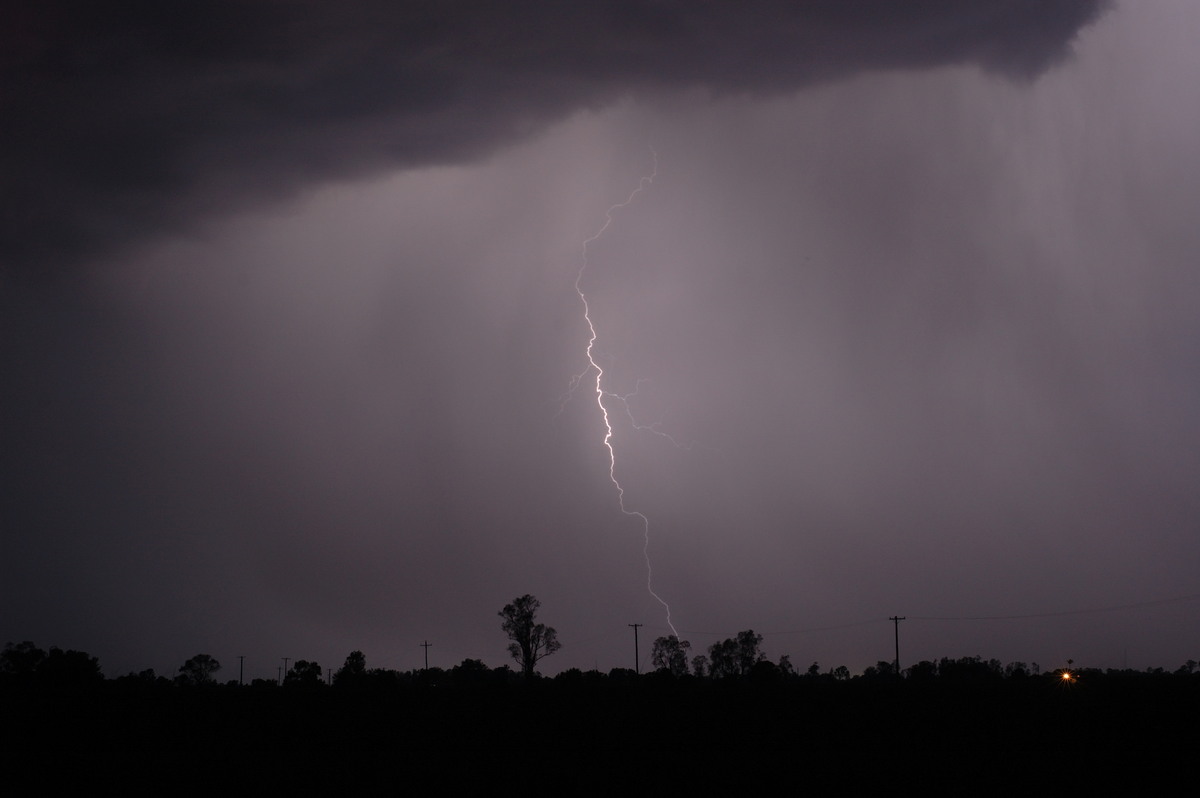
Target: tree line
(738, 657)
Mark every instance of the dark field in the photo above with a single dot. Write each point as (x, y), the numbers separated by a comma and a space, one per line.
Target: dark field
(975, 734)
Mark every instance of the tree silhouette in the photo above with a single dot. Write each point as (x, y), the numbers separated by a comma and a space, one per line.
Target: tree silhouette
(530, 641)
(747, 650)
(882, 669)
(26, 662)
(735, 656)
(198, 670)
(670, 654)
(722, 659)
(21, 659)
(70, 668)
(470, 672)
(353, 671)
(303, 674)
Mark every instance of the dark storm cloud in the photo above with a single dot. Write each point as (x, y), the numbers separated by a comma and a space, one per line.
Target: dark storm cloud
(123, 120)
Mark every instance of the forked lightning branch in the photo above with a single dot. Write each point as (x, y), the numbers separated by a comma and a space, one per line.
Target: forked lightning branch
(594, 368)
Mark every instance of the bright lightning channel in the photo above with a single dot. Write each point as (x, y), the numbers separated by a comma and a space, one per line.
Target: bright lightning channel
(644, 183)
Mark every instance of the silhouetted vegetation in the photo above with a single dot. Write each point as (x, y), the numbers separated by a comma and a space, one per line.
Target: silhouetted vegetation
(303, 674)
(970, 724)
(198, 671)
(26, 665)
(735, 656)
(354, 672)
(670, 654)
(531, 641)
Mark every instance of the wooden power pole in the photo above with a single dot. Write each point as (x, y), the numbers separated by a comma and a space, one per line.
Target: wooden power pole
(896, 619)
(637, 665)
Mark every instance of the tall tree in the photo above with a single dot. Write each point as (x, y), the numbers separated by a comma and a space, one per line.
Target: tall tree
(531, 641)
(722, 659)
(748, 652)
(670, 654)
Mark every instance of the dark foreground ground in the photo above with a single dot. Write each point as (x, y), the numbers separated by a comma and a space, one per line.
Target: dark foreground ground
(653, 735)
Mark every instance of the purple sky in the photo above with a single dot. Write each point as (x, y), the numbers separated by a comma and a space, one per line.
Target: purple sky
(287, 311)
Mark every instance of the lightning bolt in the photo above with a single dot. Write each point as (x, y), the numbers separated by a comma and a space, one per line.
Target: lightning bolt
(601, 394)
(653, 429)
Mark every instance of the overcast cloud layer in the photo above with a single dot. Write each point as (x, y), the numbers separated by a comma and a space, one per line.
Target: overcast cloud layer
(124, 120)
(289, 313)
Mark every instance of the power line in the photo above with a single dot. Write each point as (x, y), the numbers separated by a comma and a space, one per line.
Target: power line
(823, 628)
(1093, 610)
(1027, 616)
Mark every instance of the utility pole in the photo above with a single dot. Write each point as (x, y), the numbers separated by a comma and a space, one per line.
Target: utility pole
(241, 668)
(425, 645)
(896, 619)
(285, 662)
(637, 665)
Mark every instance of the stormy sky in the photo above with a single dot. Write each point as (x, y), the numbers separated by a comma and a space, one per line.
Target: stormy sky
(288, 323)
